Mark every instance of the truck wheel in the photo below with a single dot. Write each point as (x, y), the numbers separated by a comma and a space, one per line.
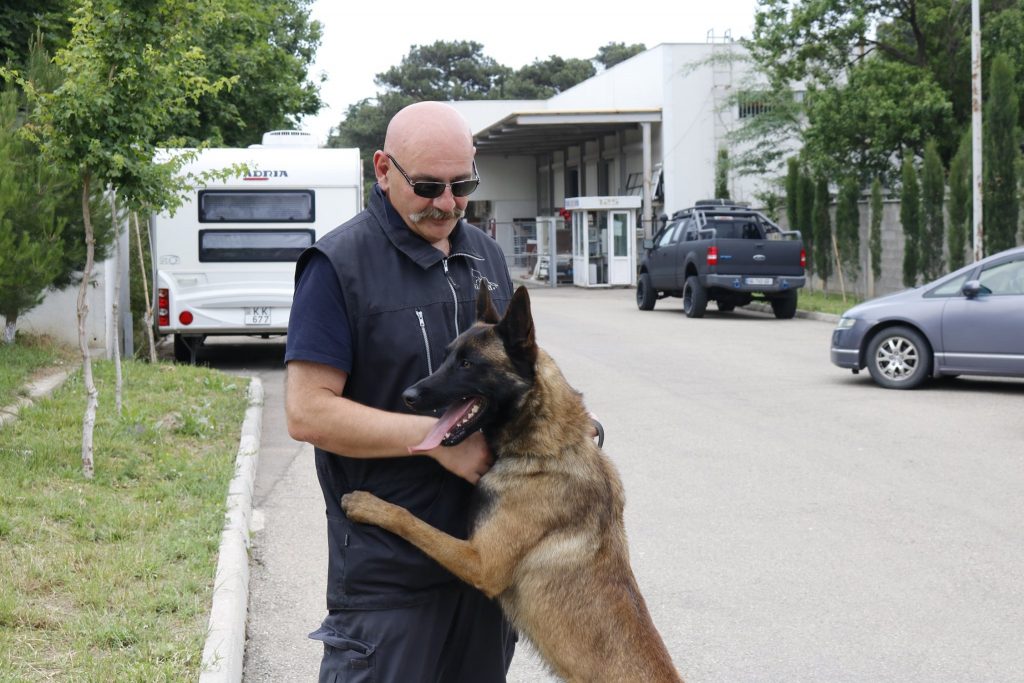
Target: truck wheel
(645, 294)
(784, 307)
(695, 299)
(899, 358)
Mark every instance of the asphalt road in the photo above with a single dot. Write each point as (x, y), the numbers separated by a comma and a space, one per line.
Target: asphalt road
(788, 521)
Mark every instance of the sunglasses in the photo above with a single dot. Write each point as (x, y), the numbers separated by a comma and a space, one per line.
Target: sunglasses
(432, 189)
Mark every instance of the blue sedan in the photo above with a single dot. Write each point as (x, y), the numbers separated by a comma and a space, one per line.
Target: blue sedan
(970, 322)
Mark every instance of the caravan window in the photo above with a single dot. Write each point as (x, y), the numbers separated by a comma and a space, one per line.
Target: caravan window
(256, 206)
(253, 245)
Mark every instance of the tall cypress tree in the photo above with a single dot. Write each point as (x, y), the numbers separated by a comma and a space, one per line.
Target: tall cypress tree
(1001, 146)
(722, 174)
(805, 209)
(875, 232)
(822, 231)
(792, 193)
(960, 200)
(933, 225)
(910, 217)
(848, 227)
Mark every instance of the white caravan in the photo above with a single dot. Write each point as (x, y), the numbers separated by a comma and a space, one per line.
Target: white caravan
(224, 263)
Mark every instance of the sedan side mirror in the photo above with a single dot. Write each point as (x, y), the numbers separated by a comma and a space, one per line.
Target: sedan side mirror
(973, 289)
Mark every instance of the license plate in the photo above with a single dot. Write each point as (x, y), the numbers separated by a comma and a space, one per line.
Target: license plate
(758, 280)
(257, 315)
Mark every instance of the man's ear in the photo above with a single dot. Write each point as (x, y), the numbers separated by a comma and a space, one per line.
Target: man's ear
(516, 331)
(485, 311)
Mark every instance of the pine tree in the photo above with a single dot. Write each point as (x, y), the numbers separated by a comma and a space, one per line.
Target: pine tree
(848, 227)
(1001, 146)
(910, 217)
(960, 201)
(722, 174)
(805, 209)
(792, 193)
(822, 232)
(875, 236)
(933, 224)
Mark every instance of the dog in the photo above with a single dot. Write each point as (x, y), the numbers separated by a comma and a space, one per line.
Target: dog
(547, 538)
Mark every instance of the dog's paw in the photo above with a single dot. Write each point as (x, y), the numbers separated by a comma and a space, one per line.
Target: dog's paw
(362, 507)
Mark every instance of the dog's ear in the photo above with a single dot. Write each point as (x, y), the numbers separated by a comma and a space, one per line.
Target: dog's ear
(516, 331)
(485, 311)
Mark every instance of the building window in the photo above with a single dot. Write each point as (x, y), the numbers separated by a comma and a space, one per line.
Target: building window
(753, 104)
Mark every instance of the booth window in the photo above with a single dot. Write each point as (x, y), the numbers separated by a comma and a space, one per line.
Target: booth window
(256, 206)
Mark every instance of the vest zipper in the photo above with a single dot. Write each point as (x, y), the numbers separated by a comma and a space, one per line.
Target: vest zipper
(455, 297)
(426, 340)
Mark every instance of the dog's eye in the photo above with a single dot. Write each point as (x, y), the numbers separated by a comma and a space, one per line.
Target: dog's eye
(465, 364)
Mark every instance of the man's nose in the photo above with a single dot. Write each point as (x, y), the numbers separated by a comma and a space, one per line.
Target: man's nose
(446, 201)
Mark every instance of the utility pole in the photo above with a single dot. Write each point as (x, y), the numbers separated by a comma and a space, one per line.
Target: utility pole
(979, 231)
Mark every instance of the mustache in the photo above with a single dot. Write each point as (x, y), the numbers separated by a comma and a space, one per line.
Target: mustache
(435, 214)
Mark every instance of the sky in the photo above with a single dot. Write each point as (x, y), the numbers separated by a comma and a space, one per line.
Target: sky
(360, 42)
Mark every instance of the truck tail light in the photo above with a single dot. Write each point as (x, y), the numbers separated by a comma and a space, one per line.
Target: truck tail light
(712, 256)
(803, 258)
(163, 304)
(186, 318)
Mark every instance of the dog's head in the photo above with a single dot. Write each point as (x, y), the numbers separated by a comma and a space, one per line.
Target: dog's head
(489, 368)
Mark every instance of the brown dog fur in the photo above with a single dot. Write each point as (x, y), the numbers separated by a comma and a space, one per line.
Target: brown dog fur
(547, 539)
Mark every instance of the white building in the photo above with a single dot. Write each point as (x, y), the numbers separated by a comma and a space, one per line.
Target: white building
(650, 126)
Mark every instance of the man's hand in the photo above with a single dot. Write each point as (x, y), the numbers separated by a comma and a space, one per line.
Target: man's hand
(470, 459)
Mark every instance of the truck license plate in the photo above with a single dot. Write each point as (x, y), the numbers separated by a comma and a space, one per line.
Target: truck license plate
(257, 315)
(759, 280)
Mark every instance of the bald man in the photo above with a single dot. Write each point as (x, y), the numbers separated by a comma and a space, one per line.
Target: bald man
(377, 301)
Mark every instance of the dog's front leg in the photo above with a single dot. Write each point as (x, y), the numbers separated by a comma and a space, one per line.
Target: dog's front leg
(457, 556)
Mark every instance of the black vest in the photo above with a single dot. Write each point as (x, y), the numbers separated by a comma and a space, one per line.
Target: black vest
(406, 302)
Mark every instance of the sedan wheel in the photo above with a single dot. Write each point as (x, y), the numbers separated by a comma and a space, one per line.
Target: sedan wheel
(899, 358)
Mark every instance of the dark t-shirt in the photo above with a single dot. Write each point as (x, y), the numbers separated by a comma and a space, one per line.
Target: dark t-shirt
(318, 328)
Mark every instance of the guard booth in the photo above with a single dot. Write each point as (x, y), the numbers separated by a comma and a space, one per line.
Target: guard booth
(603, 240)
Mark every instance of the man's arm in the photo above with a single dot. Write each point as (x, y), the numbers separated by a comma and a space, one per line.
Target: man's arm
(318, 414)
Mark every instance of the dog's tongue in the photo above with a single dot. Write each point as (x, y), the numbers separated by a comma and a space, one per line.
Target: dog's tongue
(444, 423)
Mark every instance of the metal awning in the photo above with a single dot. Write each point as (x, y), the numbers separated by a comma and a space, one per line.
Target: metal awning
(548, 131)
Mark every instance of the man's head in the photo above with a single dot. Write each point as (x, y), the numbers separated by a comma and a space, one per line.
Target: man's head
(427, 142)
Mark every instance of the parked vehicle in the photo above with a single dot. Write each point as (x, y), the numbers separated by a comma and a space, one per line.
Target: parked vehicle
(969, 322)
(224, 262)
(723, 252)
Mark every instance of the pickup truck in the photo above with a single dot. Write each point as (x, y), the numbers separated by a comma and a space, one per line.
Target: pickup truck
(722, 252)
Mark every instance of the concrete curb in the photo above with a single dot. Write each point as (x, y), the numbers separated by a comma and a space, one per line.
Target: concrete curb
(34, 391)
(224, 652)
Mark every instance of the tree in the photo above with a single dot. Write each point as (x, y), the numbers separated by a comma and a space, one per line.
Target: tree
(875, 231)
(805, 209)
(544, 79)
(30, 227)
(611, 54)
(1001, 145)
(960, 202)
(41, 244)
(933, 223)
(863, 125)
(456, 70)
(878, 75)
(127, 74)
(822, 231)
(22, 18)
(792, 192)
(722, 174)
(267, 47)
(910, 217)
(848, 227)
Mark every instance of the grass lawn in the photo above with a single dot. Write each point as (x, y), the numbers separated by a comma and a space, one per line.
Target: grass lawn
(110, 579)
(822, 302)
(18, 362)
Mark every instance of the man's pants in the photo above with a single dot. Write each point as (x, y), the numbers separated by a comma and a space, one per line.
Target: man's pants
(457, 636)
